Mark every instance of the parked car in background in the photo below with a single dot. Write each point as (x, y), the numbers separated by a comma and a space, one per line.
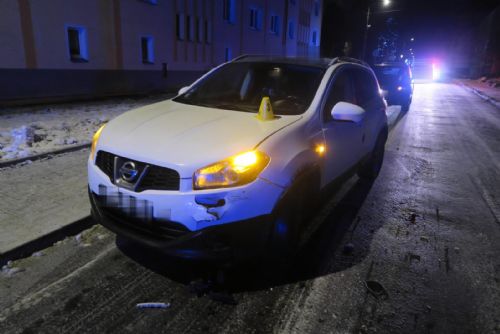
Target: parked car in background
(396, 82)
(231, 166)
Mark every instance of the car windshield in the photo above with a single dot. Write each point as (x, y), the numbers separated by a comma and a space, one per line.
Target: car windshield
(390, 75)
(242, 85)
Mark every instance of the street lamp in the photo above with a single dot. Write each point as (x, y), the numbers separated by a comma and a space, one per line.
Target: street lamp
(385, 3)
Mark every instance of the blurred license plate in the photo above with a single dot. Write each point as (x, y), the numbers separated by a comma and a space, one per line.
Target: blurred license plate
(126, 204)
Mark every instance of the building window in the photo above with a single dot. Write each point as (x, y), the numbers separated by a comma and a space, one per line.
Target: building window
(274, 27)
(291, 30)
(147, 50)
(199, 30)
(179, 26)
(153, 2)
(189, 28)
(229, 11)
(314, 38)
(255, 18)
(77, 44)
(292, 2)
(227, 54)
(316, 8)
(208, 32)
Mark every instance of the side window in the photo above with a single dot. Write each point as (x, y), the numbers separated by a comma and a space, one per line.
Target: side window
(340, 90)
(366, 88)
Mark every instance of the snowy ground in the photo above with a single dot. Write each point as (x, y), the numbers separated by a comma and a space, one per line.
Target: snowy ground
(26, 131)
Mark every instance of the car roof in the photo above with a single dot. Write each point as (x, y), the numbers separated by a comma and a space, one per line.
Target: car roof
(306, 61)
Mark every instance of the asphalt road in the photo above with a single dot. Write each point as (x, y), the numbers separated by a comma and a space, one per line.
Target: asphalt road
(427, 232)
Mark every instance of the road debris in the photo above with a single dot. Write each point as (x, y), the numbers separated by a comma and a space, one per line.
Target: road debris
(152, 305)
(377, 290)
(410, 257)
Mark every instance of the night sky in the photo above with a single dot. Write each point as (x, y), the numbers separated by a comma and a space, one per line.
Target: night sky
(436, 25)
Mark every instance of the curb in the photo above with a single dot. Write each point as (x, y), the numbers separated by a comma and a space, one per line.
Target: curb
(482, 95)
(46, 240)
(40, 156)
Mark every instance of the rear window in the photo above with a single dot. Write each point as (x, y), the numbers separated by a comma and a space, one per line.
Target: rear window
(391, 74)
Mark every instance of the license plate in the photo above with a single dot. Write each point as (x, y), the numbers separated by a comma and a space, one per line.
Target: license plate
(126, 204)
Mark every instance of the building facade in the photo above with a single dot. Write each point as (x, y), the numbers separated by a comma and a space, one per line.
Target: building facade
(60, 49)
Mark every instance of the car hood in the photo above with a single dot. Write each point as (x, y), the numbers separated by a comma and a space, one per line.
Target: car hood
(185, 137)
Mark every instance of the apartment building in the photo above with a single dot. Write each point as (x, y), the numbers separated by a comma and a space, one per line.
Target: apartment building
(60, 49)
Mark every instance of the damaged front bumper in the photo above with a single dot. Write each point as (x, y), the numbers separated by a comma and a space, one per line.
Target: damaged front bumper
(211, 224)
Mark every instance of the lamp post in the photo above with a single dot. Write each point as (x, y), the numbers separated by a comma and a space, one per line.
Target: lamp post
(385, 3)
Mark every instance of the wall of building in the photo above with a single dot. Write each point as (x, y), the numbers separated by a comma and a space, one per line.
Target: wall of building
(11, 35)
(36, 61)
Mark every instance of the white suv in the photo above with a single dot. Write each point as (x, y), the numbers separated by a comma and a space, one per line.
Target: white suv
(229, 167)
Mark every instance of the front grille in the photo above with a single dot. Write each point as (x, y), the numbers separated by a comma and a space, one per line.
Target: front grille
(155, 178)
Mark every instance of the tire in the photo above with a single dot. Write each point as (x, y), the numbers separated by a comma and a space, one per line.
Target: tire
(285, 229)
(291, 212)
(371, 168)
(405, 107)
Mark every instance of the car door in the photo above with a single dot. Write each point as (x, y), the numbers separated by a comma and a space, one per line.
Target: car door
(367, 96)
(343, 138)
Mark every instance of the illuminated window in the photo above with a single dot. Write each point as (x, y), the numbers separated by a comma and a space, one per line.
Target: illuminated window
(274, 27)
(291, 30)
(77, 44)
(180, 26)
(147, 50)
(229, 11)
(314, 38)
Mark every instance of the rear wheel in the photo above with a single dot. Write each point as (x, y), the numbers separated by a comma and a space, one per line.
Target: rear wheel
(371, 168)
(406, 105)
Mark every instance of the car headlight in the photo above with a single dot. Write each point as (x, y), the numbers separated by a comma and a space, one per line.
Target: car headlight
(95, 139)
(234, 171)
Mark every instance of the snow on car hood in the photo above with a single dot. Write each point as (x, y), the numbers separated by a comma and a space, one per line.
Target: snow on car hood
(185, 137)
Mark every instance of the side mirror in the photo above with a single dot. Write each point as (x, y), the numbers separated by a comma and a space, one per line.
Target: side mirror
(344, 111)
(183, 90)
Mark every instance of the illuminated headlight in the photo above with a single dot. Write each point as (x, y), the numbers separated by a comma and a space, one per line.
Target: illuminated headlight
(95, 139)
(234, 171)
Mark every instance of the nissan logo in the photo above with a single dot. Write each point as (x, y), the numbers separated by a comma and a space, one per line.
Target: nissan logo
(128, 172)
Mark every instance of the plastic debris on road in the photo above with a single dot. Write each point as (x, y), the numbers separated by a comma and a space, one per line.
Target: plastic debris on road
(153, 305)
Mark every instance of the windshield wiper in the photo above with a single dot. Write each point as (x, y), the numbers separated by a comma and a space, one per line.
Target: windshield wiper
(234, 107)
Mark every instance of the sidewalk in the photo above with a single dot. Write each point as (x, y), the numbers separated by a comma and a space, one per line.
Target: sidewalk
(483, 89)
(42, 197)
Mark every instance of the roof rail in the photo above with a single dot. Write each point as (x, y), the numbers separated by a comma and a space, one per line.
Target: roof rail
(347, 60)
(253, 56)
